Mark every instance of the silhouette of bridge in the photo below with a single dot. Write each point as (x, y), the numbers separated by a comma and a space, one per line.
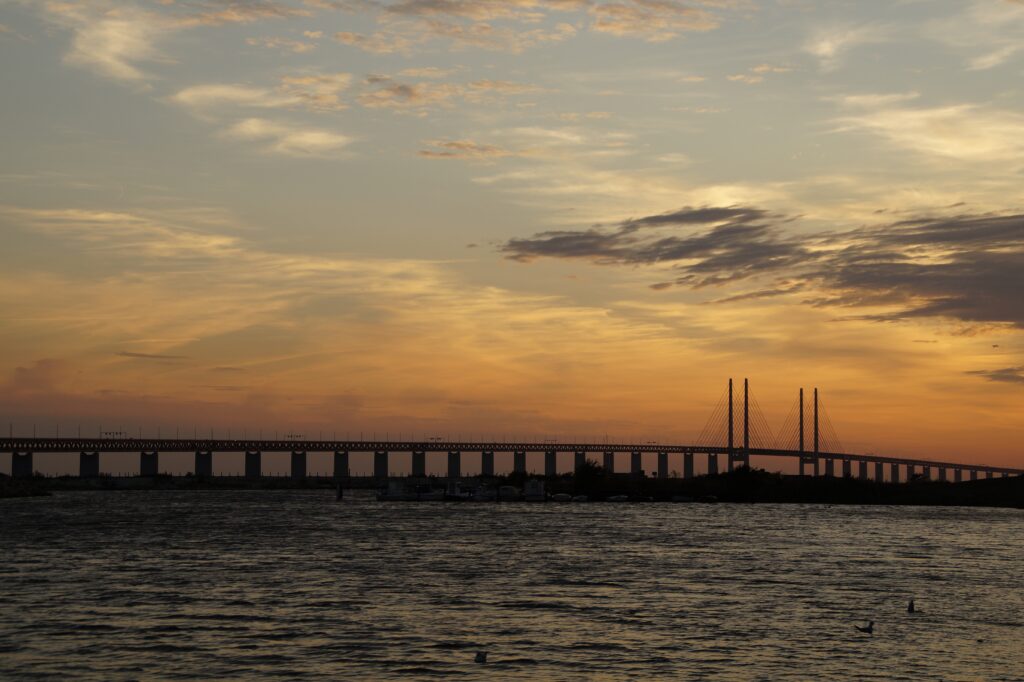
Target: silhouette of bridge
(736, 431)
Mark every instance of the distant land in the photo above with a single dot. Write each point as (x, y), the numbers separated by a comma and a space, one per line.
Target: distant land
(740, 486)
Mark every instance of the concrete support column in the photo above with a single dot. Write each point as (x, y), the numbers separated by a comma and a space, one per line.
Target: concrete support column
(974, 474)
(830, 468)
(687, 465)
(299, 465)
(89, 465)
(519, 462)
(380, 465)
(454, 464)
(609, 462)
(894, 472)
(927, 473)
(419, 464)
(988, 474)
(487, 463)
(847, 468)
(341, 465)
(253, 464)
(863, 471)
(204, 464)
(958, 475)
(712, 463)
(910, 472)
(942, 474)
(580, 459)
(149, 463)
(21, 465)
(636, 465)
(550, 463)
(662, 465)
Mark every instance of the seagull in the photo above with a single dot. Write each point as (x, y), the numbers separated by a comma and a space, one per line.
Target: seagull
(481, 657)
(869, 629)
(910, 606)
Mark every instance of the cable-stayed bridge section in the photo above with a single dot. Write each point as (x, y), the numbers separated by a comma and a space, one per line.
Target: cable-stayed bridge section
(736, 431)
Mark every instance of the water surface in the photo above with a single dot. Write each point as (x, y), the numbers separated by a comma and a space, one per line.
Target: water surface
(291, 584)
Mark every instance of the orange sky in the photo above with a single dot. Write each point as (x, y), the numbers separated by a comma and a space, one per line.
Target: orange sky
(513, 218)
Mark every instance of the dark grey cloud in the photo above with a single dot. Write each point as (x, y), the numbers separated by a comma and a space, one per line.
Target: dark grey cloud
(1010, 375)
(965, 267)
(739, 244)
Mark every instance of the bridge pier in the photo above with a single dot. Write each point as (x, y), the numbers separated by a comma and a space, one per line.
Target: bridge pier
(609, 462)
(958, 475)
(21, 465)
(862, 471)
(89, 465)
(487, 463)
(253, 464)
(550, 463)
(519, 462)
(340, 465)
(988, 474)
(380, 464)
(926, 473)
(299, 465)
(974, 474)
(419, 463)
(636, 466)
(910, 472)
(149, 463)
(579, 460)
(879, 472)
(894, 472)
(204, 464)
(712, 463)
(454, 464)
(847, 468)
(662, 465)
(942, 474)
(687, 465)
(830, 468)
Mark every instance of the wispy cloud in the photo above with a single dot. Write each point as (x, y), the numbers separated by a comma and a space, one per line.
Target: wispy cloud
(830, 45)
(115, 39)
(289, 139)
(1006, 375)
(463, 149)
(965, 132)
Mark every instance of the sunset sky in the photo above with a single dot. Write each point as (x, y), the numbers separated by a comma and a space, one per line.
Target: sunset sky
(488, 218)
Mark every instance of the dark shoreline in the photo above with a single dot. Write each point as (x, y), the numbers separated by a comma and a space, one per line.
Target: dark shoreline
(741, 486)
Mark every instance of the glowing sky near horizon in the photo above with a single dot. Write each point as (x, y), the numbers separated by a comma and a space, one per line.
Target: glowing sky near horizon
(562, 219)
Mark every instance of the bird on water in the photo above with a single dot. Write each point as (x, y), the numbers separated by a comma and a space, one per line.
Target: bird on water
(910, 606)
(481, 657)
(869, 628)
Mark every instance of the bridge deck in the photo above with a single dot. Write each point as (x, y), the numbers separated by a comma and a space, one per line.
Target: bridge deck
(76, 445)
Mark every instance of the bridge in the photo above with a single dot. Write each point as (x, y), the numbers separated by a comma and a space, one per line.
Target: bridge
(735, 432)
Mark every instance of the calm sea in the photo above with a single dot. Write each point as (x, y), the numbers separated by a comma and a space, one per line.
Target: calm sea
(284, 585)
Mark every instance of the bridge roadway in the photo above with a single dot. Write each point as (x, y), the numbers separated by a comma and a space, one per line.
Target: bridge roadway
(149, 449)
